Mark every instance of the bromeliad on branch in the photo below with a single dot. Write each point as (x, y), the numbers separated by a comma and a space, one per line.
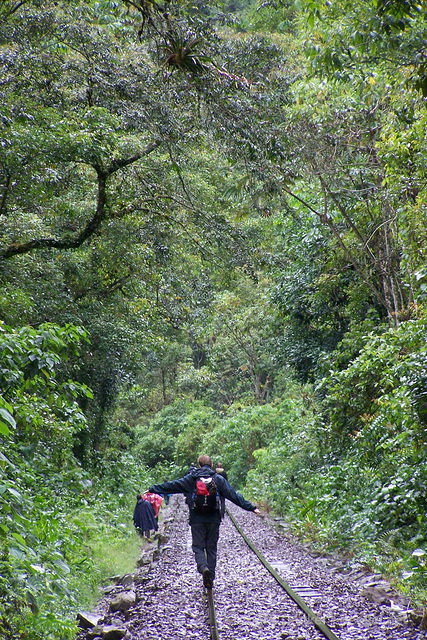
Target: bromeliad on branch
(183, 53)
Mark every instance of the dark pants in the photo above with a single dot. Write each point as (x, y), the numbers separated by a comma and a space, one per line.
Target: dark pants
(205, 541)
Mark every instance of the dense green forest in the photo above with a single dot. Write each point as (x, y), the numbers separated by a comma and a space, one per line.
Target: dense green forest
(213, 239)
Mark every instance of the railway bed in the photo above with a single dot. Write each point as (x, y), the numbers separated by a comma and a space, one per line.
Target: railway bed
(250, 603)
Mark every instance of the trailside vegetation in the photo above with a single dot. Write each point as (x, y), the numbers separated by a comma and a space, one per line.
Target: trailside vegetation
(212, 240)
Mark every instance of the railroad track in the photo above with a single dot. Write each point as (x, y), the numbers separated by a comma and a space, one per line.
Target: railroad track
(296, 597)
(213, 626)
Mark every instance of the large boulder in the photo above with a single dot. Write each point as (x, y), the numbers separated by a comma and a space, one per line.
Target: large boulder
(123, 601)
(87, 620)
(107, 632)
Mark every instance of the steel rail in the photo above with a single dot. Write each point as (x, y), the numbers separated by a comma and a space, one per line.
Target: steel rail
(212, 616)
(318, 622)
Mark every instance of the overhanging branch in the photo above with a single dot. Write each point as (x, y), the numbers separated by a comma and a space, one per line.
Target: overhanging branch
(73, 242)
(12, 10)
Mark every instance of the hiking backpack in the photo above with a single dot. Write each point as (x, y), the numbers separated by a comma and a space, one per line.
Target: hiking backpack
(205, 495)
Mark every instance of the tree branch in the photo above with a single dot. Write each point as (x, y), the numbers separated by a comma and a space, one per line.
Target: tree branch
(64, 242)
(67, 242)
(15, 8)
(3, 200)
(121, 163)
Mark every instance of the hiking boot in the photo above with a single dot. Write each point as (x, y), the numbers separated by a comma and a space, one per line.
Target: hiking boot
(207, 579)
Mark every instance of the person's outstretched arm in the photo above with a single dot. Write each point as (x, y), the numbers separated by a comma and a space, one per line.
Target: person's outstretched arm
(228, 492)
(181, 485)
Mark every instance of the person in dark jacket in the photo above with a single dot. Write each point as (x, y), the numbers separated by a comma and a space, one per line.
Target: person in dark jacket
(220, 469)
(205, 525)
(144, 517)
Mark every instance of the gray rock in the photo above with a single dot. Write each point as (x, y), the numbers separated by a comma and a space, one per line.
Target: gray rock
(127, 580)
(146, 558)
(250, 604)
(113, 633)
(87, 620)
(376, 594)
(162, 538)
(123, 601)
(109, 589)
(419, 617)
(107, 632)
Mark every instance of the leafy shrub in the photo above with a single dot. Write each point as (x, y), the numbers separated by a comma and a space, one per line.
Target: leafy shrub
(356, 476)
(245, 430)
(381, 395)
(175, 435)
(54, 517)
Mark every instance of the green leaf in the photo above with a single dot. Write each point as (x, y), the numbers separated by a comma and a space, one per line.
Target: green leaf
(15, 493)
(4, 429)
(6, 417)
(19, 538)
(60, 564)
(6, 461)
(38, 568)
(16, 553)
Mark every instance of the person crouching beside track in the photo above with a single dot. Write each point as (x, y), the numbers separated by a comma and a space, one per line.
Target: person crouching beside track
(206, 488)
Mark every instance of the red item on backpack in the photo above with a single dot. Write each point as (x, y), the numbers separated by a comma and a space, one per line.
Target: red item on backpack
(202, 488)
(155, 500)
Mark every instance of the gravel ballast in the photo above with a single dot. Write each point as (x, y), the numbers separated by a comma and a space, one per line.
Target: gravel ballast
(250, 604)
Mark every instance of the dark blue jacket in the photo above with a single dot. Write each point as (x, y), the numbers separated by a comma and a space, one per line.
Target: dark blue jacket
(143, 516)
(187, 485)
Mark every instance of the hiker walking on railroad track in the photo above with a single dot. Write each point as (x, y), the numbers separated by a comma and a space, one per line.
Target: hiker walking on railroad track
(144, 517)
(206, 487)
